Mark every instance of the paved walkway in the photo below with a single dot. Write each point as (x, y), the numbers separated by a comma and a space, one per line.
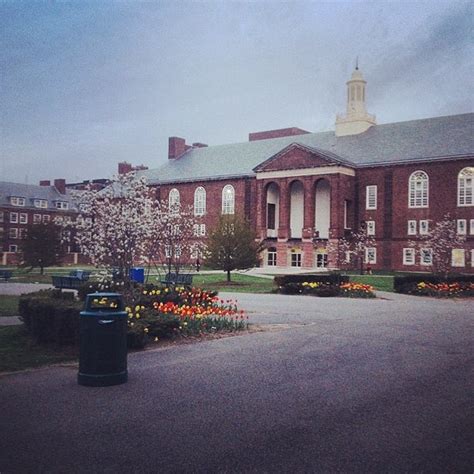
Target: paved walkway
(341, 386)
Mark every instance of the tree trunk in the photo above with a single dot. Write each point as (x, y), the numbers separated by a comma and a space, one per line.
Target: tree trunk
(42, 270)
(228, 276)
(361, 265)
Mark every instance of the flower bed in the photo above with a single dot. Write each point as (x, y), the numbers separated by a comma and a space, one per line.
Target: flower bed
(357, 290)
(443, 290)
(168, 312)
(315, 288)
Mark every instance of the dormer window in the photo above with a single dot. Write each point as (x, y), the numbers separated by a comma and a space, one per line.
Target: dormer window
(17, 201)
(63, 205)
(41, 203)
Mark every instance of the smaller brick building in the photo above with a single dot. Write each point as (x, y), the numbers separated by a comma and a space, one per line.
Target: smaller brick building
(22, 205)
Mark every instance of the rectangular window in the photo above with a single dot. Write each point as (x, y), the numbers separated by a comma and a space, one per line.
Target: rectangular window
(426, 257)
(2, 233)
(46, 218)
(370, 227)
(14, 217)
(461, 226)
(271, 212)
(458, 258)
(21, 233)
(271, 258)
(321, 260)
(371, 197)
(370, 255)
(168, 251)
(472, 258)
(411, 227)
(346, 214)
(347, 256)
(13, 233)
(408, 256)
(471, 226)
(296, 259)
(23, 218)
(62, 205)
(36, 218)
(17, 201)
(1, 216)
(42, 203)
(424, 230)
(13, 248)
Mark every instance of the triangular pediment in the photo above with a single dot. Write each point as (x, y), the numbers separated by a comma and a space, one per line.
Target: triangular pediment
(297, 156)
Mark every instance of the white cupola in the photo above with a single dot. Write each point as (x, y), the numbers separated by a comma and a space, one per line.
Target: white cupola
(356, 120)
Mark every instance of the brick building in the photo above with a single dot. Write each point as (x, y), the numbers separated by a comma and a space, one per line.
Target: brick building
(22, 205)
(303, 190)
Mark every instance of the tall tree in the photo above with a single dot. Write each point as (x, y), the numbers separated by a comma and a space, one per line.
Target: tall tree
(232, 245)
(42, 246)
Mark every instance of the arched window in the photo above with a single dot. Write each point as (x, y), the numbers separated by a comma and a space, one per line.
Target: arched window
(466, 187)
(199, 201)
(173, 198)
(228, 199)
(418, 189)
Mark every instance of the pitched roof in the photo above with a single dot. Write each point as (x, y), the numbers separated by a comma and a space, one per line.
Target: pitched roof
(401, 142)
(31, 192)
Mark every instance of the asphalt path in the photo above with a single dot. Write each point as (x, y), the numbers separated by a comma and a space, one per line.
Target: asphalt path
(331, 385)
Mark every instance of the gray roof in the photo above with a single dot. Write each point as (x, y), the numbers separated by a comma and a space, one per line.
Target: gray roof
(31, 192)
(392, 143)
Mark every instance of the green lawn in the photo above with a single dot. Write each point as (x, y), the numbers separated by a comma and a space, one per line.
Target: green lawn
(9, 305)
(379, 282)
(17, 351)
(22, 275)
(239, 283)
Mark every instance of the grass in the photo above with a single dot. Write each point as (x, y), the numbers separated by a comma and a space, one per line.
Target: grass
(239, 283)
(18, 352)
(379, 282)
(22, 275)
(9, 305)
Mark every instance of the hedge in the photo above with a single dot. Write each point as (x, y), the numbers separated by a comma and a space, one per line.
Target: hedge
(405, 284)
(51, 317)
(291, 284)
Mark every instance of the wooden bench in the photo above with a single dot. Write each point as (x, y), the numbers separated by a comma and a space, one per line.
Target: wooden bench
(67, 282)
(6, 274)
(178, 279)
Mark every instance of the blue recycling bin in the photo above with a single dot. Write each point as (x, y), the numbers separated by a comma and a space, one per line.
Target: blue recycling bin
(137, 274)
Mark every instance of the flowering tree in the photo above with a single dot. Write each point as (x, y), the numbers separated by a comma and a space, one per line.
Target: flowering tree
(441, 241)
(353, 249)
(115, 224)
(175, 235)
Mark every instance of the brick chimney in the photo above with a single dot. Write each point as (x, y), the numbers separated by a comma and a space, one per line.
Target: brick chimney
(124, 167)
(176, 147)
(60, 185)
(45, 182)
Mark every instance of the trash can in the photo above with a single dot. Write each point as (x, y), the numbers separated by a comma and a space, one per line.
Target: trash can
(137, 274)
(103, 341)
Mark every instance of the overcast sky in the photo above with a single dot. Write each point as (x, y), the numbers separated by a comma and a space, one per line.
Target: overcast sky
(85, 85)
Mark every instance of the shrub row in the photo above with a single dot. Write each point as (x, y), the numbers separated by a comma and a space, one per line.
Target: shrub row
(329, 283)
(407, 284)
(51, 316)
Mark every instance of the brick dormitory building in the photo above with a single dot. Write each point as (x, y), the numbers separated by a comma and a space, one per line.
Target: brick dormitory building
(304, 191)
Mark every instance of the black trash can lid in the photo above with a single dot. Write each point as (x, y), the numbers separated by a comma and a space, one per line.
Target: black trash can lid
(104, 302)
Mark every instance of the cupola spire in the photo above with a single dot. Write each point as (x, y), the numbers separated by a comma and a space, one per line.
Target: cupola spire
(356, 120)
